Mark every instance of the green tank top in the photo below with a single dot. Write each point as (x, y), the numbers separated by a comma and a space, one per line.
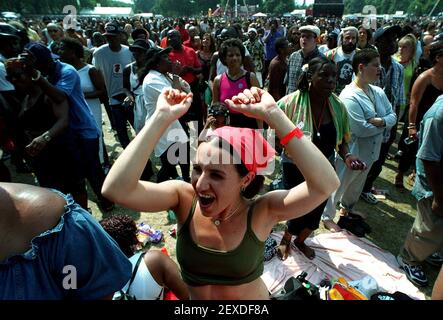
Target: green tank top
(204, 266)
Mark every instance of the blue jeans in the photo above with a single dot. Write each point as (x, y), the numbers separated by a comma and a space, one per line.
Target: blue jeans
(77, 241)
(121, 115)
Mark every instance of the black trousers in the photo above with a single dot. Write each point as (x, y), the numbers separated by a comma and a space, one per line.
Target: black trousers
(121, 116)
(168, 169)
(292, 177)
(377, 167)
(408, 157)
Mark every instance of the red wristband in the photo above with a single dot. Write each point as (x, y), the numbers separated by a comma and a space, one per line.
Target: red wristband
(294, 133)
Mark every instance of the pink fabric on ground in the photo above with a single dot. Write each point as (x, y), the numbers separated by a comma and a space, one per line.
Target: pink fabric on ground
(340, 254)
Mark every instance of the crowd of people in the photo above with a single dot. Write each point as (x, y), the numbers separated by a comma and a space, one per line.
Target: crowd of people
(335, 92)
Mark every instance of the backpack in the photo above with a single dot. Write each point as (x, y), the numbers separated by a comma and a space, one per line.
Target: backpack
(125, 295)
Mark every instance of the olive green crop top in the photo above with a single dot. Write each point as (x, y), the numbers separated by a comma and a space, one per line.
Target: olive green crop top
(204, 266)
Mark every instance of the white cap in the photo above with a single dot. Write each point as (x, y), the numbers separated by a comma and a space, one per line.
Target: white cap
(313, 29)
(253, 30)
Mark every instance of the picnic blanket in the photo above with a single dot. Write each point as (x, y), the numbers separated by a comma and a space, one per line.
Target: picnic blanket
(340, 254)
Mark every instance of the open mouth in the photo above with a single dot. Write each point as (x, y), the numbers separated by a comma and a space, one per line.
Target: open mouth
(205, 200)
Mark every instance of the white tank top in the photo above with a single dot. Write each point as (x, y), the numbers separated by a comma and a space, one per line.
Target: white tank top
(88, 86)
(144, 286)
(133, 80)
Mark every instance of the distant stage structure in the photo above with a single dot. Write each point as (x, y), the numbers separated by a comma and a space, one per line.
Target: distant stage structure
(328, 8)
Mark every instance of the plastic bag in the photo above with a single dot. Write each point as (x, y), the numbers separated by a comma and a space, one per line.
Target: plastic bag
(367, 286)
(342, 290)
(147, 234)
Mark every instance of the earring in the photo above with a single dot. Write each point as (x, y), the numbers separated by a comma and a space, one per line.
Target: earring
(243, 189)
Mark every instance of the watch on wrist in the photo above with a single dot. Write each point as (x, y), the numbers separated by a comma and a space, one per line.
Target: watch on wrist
(47, 136)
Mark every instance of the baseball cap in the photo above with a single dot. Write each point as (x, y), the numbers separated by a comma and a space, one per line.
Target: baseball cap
(154, 53)
(228, 33)
(139, 44)
(40, 52)
(314, 29)
(139, 34)
(385, 30)
(112, 29)
(332, 34)
(6, 30)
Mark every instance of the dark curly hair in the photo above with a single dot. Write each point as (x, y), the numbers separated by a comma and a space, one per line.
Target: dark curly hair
(123, 230)
(230, 43)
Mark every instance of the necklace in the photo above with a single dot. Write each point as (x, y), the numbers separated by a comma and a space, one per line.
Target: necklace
(217, 222)
(317, 127)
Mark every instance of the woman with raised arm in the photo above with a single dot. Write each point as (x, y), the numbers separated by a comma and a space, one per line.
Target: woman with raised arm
(222, 226)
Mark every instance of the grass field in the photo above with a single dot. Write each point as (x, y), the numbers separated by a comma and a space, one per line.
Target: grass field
(390, 219)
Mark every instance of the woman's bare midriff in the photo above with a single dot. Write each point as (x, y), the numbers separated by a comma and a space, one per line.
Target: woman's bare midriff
(255, 290)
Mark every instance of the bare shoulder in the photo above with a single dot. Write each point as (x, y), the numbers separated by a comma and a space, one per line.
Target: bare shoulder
(186, 195)
(35, 209)
(425, 77)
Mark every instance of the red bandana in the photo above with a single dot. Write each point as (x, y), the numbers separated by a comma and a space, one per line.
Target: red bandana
(254, 151)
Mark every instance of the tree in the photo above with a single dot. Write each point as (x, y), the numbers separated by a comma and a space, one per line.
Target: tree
(144, 5)
(278, 6)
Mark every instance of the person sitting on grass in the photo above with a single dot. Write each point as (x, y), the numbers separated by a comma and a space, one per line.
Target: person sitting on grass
(157, 271)
(222, 227)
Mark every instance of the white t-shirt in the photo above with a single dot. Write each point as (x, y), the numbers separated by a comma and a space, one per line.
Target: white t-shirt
(111, 64)
(153, 84)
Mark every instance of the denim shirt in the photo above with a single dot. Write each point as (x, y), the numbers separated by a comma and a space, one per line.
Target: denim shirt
(45, 271)
(430, 148)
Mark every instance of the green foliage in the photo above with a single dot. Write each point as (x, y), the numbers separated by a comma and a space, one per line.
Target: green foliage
(179, 8)
(143, 5)
(415, 7)
(278, 6)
